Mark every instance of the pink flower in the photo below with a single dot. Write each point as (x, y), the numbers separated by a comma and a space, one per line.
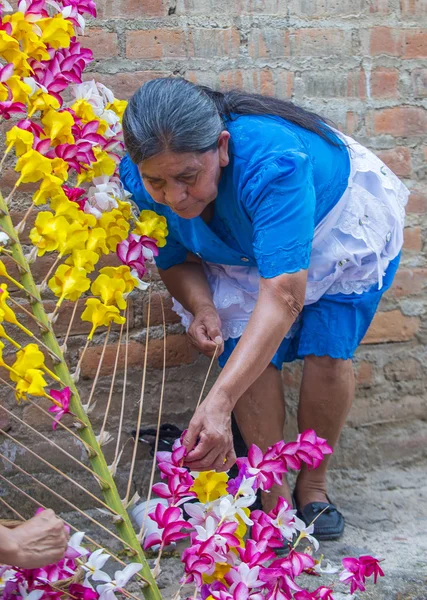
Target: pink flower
(170, 521)
(63, 397)
(267, 471)
(9, 108)
(75, 195)
(197, 563)
(6, 72)
(135, 251)
(263, 529)
(82, 592)
(356, 571)
(29, 125)
(256, 552)
(177, 489)
(323, 593)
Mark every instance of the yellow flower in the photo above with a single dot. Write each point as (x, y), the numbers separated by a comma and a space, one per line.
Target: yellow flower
(6, 313)
(97, 241)
(84, 111)
(210, 486)
(27, 358)
(42, 101)
(20, 90)
(49, 232)
(21, 28)
(123, 273)
(21, 139)
(83, 259)
(33, 383)
(100, 315)
(152, 225)
(56, 31)
(109, 290)
(69, 283)
(221, 569)
(115, 226)
(58, 126)
(33, 166)
(77, 235)
(9, 47)
(118, 106)
(86, 219)
(51, 188)
(242, 528)
(34, 47)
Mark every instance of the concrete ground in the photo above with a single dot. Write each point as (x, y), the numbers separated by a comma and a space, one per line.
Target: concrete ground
(386, 515)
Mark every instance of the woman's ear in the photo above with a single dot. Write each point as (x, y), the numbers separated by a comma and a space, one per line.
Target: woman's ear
(224, 136)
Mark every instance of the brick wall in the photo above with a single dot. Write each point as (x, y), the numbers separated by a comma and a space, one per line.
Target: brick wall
(361, 63)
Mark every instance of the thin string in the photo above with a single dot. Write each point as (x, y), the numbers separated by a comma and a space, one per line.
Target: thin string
(207, 377)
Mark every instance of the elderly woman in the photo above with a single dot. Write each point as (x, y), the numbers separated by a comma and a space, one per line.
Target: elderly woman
(283, 236)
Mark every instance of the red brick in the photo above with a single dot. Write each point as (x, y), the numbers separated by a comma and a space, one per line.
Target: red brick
(403, 370)
(385, 40)
(398, 160)
(102, 43)
(417, 202)
(415, 44)
(392, 326)
(178, 352)
(210, 43)
(381, 7)
(156, 317)
(128, 9)
(401, 121)
(268, 43)
(364, 374)
(419, 83)
(39, 269)
(124, 85)
(408, 282)
(319, 42)
(413, 240)
(352, 122)
(156, 44)
(384, 83)
(260, 81)
(356, 84)
(413, 8)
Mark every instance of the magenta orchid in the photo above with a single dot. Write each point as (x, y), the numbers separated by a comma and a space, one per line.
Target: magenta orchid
(136, 251)
(170, 522)
(63, 399)
(356, 571)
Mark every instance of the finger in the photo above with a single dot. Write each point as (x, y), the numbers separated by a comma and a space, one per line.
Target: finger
(191, 435)
(225, 464)
(201, 341)
(206, 463)
(199, 453)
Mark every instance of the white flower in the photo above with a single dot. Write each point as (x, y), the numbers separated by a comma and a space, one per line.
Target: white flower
(197, 512)
(328, 569)
(88, 91)
(121, 578)
(285, 522)
(141, 285)
(74, 545)
(246, 487)
(229, 508)
(306, 531)
(245, 574)
(4, 238)
(34, 85)
(94, 565)
(6, 574)
(34, 595)
(6, 6)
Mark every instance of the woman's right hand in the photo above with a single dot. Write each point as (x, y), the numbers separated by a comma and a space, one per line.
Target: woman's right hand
(38, 542)
(205, 331)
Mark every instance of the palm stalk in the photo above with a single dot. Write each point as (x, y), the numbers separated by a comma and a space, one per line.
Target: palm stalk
(99, 465)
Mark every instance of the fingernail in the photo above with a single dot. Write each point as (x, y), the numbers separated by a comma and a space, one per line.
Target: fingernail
(218, 340)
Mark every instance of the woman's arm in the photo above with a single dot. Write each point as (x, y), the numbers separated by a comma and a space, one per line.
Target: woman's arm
(188, 284)
(280, 301)
(36, 543)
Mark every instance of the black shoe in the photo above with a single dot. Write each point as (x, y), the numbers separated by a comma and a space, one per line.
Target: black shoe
(330, 524)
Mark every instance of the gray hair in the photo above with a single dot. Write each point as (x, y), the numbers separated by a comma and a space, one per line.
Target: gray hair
(170, 114)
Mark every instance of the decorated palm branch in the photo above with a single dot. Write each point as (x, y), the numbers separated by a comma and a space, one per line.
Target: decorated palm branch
(65, 137)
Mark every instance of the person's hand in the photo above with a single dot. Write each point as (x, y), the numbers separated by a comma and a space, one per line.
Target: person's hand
(38, 542)
(209, 440)
(205, 332)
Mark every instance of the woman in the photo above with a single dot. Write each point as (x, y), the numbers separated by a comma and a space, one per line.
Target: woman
(283, 237)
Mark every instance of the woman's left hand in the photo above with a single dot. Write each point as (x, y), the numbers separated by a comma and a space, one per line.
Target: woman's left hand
(209, 440)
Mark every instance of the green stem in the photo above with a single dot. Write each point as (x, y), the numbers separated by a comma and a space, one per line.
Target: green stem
(98, 462)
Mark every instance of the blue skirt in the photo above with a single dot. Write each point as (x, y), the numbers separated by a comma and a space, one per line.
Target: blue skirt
(333, 326)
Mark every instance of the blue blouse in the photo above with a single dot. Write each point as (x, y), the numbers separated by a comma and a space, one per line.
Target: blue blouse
(279, 184)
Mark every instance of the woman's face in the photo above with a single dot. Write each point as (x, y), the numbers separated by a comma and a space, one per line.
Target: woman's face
(187, 182)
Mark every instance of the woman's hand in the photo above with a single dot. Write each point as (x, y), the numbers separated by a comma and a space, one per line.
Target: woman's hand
(209, 439)
(38, 542)
(205, 331)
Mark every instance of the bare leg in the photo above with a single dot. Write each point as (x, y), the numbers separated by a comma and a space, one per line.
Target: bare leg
(260, 415)
(326, 395)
